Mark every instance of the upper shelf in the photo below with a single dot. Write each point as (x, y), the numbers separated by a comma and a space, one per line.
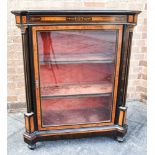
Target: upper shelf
(76, 58)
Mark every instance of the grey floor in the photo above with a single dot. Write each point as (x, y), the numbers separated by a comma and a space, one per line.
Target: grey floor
(135, 143)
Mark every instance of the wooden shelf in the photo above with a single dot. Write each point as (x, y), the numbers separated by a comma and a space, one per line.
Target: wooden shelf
(77, 58)
(99, 89)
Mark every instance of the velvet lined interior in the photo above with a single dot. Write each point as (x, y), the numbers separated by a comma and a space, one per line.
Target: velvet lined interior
(76, 64)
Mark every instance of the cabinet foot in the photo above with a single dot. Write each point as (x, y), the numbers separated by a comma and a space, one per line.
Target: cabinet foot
(31, 146)
(120, 139)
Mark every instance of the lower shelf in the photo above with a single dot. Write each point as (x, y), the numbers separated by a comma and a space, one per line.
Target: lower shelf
(74, 90)
(76, 110)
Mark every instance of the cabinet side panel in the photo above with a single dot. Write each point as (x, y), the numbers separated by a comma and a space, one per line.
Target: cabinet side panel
(26, 59)
(31, 58)
(124, 68)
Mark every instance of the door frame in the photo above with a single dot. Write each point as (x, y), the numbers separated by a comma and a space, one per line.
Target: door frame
(118, 28)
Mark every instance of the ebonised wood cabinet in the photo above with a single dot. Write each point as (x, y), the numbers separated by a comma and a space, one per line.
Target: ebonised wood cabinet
(76, 66)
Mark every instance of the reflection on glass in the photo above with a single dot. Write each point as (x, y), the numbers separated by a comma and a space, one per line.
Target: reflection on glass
(79, 65)
(76, 44)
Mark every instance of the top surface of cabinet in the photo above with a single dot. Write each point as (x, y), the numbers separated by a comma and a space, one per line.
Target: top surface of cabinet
(78, 12)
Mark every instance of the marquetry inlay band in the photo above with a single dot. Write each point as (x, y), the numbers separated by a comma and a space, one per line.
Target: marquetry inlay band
(77, 19)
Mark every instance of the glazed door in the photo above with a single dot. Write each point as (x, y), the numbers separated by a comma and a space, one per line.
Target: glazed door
(76, 73)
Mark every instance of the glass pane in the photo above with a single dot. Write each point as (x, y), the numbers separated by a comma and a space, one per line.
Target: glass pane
(76, 45)
(76, 110)
(76, 75)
